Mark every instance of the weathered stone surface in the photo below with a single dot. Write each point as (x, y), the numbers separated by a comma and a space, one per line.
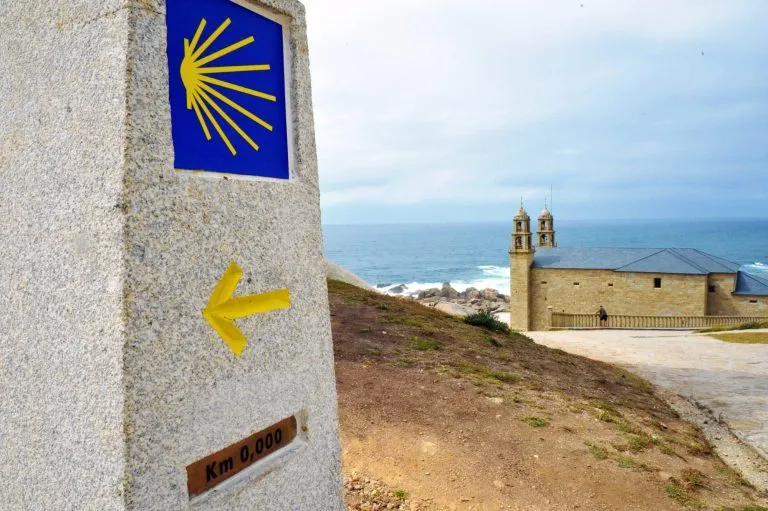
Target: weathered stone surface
(448, 292)
(454, 308)
(464, 302)
(109, 368)
(428, 293)
(722, 301)
(62, 94)
(583, 291)
(472, 293)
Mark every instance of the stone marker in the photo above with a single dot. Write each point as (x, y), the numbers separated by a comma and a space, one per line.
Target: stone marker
(164, 324)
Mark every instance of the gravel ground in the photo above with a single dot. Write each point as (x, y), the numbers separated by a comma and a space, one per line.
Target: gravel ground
(368, 494)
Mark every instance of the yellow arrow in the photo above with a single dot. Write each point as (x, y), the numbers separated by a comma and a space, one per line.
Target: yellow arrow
(222, 309)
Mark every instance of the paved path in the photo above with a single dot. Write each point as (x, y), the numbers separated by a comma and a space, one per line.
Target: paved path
(731, 379)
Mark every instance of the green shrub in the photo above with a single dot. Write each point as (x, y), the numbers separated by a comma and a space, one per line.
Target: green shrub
(421, 344)
(486, 319)
(536, 422)
(400, 494)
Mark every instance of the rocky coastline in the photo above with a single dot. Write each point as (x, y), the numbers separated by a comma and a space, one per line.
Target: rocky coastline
(446, 299)
(459, 303)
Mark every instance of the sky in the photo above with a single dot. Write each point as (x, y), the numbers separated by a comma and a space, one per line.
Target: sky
(447, 111)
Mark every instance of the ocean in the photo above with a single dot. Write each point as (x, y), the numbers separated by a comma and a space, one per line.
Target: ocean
(475, 254)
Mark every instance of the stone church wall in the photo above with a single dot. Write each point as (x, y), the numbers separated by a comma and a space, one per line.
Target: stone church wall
(751, 305)
(723, 303)
(630, 293)
(720, 300)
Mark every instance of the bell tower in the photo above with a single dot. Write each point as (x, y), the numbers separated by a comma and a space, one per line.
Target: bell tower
(546, 229)
(520, 260)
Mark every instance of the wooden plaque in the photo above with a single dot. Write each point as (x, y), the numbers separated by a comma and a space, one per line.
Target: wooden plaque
(216, 468)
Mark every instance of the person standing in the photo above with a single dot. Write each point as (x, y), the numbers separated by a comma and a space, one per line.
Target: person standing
(603, 314)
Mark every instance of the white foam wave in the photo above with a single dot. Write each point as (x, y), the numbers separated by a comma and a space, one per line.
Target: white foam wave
(494, 277)
(496, 271)
(756, 268)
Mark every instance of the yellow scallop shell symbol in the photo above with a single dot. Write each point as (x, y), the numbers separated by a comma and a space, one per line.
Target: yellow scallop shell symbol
(202, 95)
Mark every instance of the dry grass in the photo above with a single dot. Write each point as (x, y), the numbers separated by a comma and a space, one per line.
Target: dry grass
(744, 338)
(614, 412)
(744, 326)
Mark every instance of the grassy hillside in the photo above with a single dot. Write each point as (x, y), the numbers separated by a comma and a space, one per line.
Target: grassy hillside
(445, 415)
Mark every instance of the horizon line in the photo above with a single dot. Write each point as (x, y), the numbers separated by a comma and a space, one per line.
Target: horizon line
(567, 220)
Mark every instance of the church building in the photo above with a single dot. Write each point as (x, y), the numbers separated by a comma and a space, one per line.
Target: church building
(546, 278)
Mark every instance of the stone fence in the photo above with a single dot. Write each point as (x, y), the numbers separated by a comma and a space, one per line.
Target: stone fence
(563, 320)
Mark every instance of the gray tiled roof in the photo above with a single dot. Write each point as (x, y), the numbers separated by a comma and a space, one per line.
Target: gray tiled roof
(686, 261)
(752, 285)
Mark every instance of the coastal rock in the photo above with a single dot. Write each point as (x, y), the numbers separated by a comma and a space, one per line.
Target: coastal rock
(336, 272)
(448, 291)
(472, 293)
(379, 286)
(448, 299)
(428, 293)
(398, 289)
(453, 308)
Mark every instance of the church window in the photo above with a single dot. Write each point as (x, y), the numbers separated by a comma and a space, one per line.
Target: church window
(610, 284)
(753, 301)
(712, 289)
(575, 283)
(657, 282)
(519, 226)
(544, 282)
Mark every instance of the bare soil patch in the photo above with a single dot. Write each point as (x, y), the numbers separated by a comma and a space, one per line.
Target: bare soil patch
(444, 415)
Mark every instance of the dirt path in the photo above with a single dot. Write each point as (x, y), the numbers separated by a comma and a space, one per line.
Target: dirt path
(730, 379)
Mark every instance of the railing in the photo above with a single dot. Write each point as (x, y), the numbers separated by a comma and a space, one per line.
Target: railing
(563, 320)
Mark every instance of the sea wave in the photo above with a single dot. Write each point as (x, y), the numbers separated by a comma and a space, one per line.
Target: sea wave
(756, 268)
(493, 277)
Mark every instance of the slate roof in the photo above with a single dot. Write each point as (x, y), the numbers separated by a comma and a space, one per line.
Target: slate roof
(686, 261)
(750, 284)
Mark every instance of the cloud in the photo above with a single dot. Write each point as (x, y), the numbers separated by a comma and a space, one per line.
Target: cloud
(421, 102)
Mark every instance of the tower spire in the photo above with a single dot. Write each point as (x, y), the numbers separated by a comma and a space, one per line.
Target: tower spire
(546, 233)
(521, 232)
(521, 255)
